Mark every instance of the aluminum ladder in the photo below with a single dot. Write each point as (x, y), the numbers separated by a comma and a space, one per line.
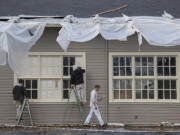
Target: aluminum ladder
(22, 111)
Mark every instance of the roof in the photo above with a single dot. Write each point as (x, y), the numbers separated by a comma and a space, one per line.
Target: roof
(85, 8)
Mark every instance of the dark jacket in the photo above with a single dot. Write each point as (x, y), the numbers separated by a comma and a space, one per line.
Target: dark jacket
(19, 92)
(77, 76)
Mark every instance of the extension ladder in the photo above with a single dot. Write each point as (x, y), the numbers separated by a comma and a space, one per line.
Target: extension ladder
(78, 103)
(22, 110)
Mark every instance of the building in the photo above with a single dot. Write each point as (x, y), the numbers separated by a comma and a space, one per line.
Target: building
(139, 85)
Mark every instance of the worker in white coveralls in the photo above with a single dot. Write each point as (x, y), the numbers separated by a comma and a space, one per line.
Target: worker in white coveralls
(77, 81)
(94, 107)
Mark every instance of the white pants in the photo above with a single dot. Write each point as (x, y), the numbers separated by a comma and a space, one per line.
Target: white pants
(18, 107)
(98, 115)
(79, 89)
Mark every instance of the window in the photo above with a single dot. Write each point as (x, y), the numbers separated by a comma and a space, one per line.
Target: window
(68, 62)
(31, 87)
(122, 66)
(48, 79)
(122, 89)
(143, 77)
(144, 66)
(166, 66)
(144, 89)
(167, 89)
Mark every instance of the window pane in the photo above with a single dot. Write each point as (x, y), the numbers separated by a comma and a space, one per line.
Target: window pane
(65, 94)
(34, 94)
(28, 84)
(144, 84)
(150, 61)
(160, 94)
(128, 71)
(122, 71)
(122, 84)
(159, 61)
(128, 84)
(151, 84)
(144, 71)
(166, 84)
(122, 61)
(173, 71)
(138, 94)
(72, 61)
(167, 94)
(138, 84)
(29, 94)
(65, 61)
(116, 71)
(34, 84)
(116, 84)
(166, 61)
(128, 61)
(173, 84)
(137, 61)
(122, 94)
(71, 70)
(166, 71)
(160, 71)
(65, 71)
(116, 94)
(173, 61)
(115, 61)
(144, 61)
(138, 71)
(129, 94)
(65, 84)
(160, 84)
(173, 94)
(151, 71)
(144, 94)
(151, 94)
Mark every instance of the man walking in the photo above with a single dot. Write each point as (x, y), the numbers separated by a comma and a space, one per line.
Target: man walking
(94, 107)
(77, 81)
(19, 92)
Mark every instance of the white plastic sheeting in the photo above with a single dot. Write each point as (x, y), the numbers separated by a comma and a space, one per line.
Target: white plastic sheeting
(158, 31)
(16, 39)
(82, 30)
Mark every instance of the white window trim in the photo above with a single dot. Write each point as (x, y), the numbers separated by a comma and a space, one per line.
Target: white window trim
(154, 54)
(61, 100)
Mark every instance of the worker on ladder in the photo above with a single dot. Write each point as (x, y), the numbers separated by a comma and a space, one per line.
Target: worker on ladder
(19, 93)
(77, 81)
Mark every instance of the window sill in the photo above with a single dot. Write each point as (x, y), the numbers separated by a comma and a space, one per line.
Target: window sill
(144, 102)
(53, 102)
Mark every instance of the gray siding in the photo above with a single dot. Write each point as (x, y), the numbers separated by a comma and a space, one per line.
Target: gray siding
(97, 73)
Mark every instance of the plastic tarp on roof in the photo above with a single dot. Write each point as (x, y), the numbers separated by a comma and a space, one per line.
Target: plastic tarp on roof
(16, 38)
(159, 31)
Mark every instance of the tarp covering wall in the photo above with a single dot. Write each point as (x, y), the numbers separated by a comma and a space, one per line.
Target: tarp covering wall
(19, 35)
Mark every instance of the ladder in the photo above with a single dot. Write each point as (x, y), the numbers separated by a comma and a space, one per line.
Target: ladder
(78, 103)
(22, 110)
